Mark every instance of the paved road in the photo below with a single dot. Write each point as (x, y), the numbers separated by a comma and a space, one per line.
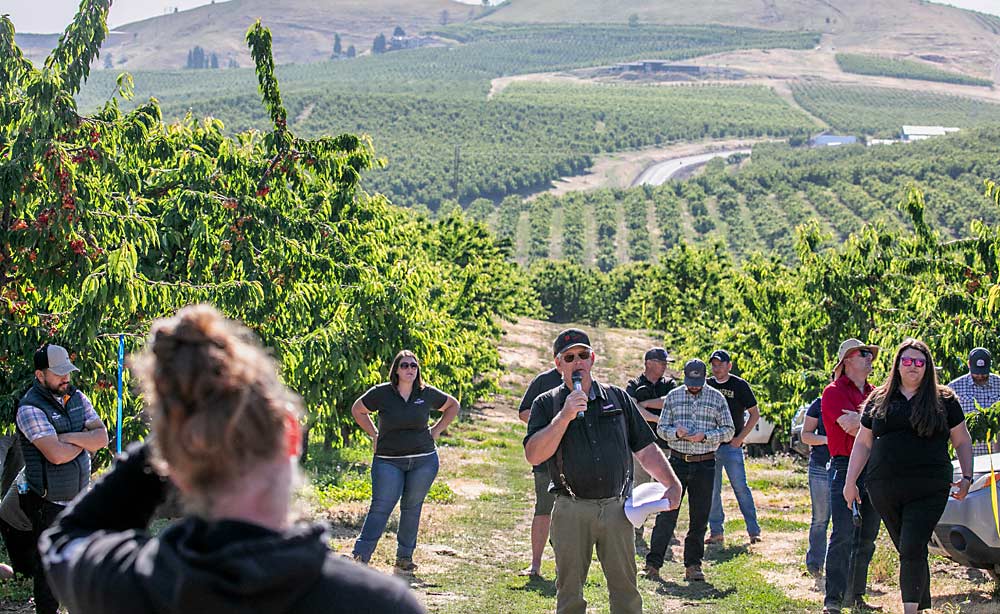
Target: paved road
(663, 171)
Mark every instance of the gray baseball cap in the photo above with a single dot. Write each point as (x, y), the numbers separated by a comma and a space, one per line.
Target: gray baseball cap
(55, 358)
(694, 373)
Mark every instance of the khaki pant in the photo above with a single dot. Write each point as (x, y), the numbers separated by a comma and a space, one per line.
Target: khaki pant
(578, 525)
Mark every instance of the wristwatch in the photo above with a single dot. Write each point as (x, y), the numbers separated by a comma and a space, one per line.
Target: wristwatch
(967, 477)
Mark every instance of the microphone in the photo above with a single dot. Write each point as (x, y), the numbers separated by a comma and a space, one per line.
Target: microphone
(577, 378)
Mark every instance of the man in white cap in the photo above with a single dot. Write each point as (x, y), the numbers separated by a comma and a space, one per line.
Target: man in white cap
(841, 407)
(58, 429)
(978, 386)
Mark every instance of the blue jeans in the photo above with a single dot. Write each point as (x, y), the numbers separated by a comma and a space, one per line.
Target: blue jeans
(731, 459)
(406, 480)
(842, 543)
(819, 493)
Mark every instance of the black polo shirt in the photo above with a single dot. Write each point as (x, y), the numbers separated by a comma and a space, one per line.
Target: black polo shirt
(596, 450)
(403, 428)
(739, 397)
(547, 380)
(641, 389)
(898, 451)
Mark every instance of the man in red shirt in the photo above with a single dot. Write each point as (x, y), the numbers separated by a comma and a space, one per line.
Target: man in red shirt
(842, 403)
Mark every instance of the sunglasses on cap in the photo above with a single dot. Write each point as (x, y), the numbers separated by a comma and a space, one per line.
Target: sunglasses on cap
(408, 365)
(907, 361)
(571, 357)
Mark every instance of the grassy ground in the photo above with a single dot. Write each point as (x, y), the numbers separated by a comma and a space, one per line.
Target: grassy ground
(475, 527)
(471, 549)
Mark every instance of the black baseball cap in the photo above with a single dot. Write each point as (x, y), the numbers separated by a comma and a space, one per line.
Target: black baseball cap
(568, 338)
(694, 373)
(720, 355)
(659, 354)
(980, 361)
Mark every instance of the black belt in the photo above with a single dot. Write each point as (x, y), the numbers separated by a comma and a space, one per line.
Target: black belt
(692, 458)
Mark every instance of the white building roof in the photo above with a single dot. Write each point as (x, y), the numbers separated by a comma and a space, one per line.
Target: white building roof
(927, 130)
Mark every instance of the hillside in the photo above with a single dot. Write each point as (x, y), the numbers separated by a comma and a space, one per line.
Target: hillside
(950, 37)
(303, 30)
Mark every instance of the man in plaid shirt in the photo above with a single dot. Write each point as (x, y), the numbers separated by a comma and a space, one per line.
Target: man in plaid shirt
(694, 421)
(57, 429)
(978, 386)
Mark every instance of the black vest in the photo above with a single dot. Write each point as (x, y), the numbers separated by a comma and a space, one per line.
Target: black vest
(55, 482)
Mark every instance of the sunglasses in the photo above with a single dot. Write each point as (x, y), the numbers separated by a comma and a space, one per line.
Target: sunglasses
(907, 361)
(865, 353)
(571, 357)
(408, 365)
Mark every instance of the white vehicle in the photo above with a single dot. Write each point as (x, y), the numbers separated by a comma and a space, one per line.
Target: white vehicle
(763, 439)
(967, 531)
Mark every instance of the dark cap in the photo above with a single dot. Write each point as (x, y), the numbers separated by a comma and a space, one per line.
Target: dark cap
(55, 358)
(980, 361)
(567, 339)
(694, 373)
(659, 354)
(720, 355)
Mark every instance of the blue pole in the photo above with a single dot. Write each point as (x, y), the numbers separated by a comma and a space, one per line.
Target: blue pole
(121, 365)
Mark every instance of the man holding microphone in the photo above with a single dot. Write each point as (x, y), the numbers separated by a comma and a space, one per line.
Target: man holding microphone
(587, 434)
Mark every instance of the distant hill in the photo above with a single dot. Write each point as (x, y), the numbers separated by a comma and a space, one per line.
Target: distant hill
(900, 28)
(303, 30)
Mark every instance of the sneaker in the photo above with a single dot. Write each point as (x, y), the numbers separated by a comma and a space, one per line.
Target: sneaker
(692, 573)
(405, 564)
(6, 571)
(815, 572)
(531, 573)
(716, 538)
(756, 539)
(651, 573)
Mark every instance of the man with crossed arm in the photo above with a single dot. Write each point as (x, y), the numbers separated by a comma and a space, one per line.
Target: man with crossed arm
(58, 429)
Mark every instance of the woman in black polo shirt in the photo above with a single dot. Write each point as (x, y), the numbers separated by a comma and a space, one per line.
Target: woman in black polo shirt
(905, 429)
(406, 460)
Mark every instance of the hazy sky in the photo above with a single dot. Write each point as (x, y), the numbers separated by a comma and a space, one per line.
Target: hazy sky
(53, 15)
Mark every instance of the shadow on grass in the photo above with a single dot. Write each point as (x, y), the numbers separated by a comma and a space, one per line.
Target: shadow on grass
(693, 592)
(726, 553)
(540, 586)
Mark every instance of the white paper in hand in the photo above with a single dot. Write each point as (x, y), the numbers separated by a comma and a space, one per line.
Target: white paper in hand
(646, 499)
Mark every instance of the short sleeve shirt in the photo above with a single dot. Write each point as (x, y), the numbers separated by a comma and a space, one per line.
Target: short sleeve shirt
(819, 456)
(597, 449)
(33, 422)
(545, 381)
(403, 428)
(898, 451)
(739, 397)
(842, 395)
(969, 393)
